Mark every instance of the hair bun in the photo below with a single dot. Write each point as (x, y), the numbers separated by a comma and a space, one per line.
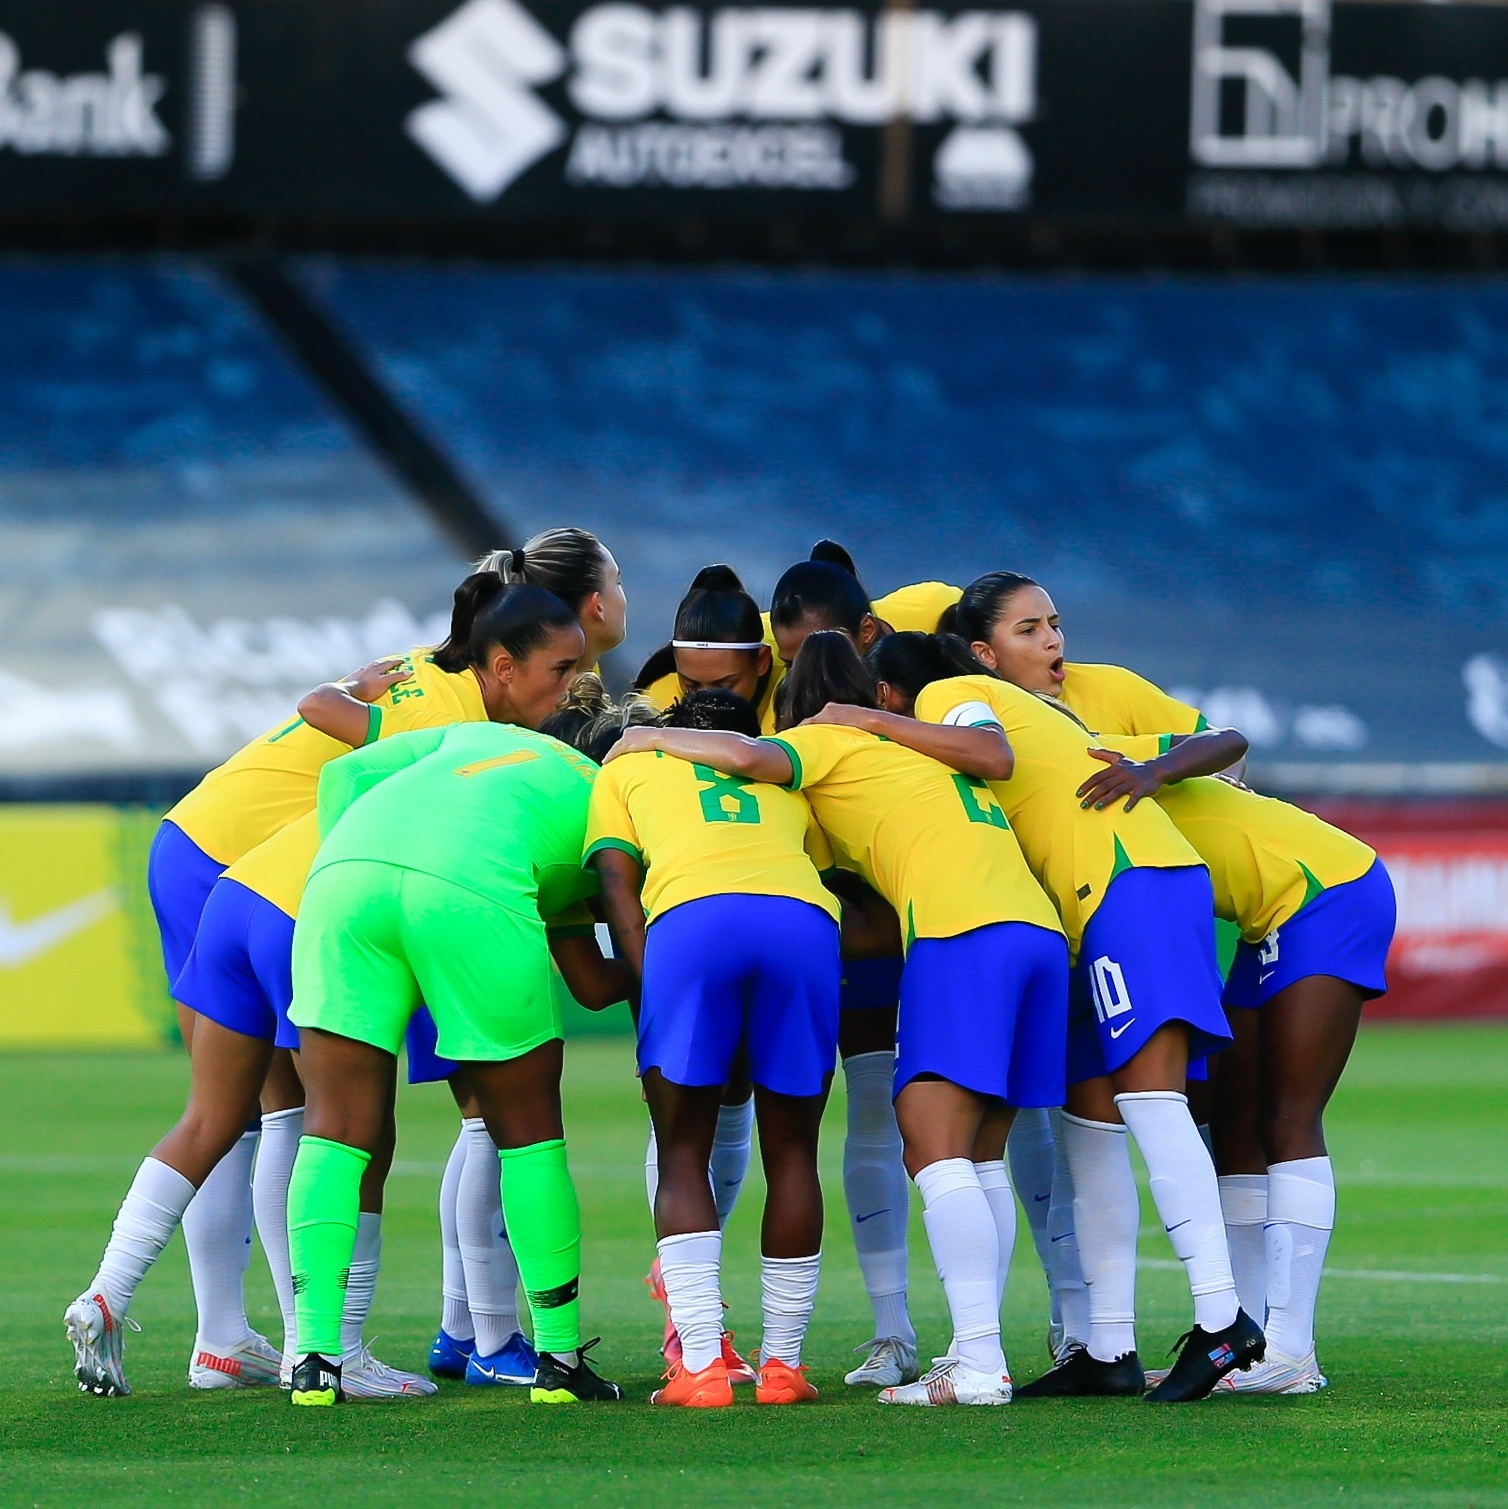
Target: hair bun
(834, 554)
(717, 579)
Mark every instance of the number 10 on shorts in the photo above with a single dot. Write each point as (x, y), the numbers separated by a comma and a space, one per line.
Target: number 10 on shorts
(1108, 986)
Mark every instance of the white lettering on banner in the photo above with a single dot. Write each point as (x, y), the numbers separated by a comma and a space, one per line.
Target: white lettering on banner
(1486, 679)
(110, 114)
(713, 70)
(32, 715)
(1324, 726)
(1449, 893)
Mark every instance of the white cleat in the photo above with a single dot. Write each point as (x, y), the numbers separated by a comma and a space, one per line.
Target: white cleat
(255, 1363)
(951, 1381)
(363, 1376)
(97, 1340)
(1276, 1374)
(889, 1362)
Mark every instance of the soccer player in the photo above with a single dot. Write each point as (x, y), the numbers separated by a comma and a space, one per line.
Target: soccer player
(446, 909)
(739, 954)
(824, 592)
(983, 1001)
(1137, 906)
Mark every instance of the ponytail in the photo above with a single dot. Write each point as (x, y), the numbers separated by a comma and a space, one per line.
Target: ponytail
(517, 618)
(909, 662)
(586, 698)
(824, 590)
(571, 563)
(474, 594)
(715, 611)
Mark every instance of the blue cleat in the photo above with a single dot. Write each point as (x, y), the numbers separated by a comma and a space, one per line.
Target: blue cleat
(448, 1357)
(513, 1367)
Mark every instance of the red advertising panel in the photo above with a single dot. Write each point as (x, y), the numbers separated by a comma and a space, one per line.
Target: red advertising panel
(1449, 864)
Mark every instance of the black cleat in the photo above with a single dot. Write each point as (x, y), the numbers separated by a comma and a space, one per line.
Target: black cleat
(1080, 1376)
(1205, 1358)
(316, 1381)
(555, 1383)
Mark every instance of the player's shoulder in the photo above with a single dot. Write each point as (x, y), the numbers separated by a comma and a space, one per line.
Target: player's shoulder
(918, 606)
(1094, 676)
(662, 692)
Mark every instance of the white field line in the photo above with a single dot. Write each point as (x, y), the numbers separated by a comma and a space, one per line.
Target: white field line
(1372, 1275)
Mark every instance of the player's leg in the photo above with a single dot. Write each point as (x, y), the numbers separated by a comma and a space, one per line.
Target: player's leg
(1031, 1154)
(455, 1341)
(282, 1104)
(1240, 1160)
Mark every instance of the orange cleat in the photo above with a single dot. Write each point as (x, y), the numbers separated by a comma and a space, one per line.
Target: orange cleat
(670, 1346)
(780, 1384)
(708, 1389)
(739, 1369)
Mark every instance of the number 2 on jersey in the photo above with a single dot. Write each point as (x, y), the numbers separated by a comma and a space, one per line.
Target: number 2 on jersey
(979, 801)
(722, 789)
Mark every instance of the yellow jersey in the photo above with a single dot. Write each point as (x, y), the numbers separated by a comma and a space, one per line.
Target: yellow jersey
(668, 688)
(699, 833)
(278, 868)
(916, 609)
(936, 845)
(1109, 699)
(273, 780)
(1075, 853)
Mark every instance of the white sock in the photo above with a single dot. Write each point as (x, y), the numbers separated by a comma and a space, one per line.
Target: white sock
(789, 1286)
(996, 1184)
(1243, 1204)
(966, 1249)
(1070, 1293)
(455, 1314)
(217, 1230)
(690, 1267)
(1030, 1151)
(486, 1254)
(1300, 1218)
(281, 1131)
(1187, 1198)
(1106, 1214)
(149, 1215)
(730, 1156)
(652, 1171)
(875, 1186)
(361, 1287)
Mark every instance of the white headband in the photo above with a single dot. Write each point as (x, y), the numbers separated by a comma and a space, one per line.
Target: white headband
(706, 644)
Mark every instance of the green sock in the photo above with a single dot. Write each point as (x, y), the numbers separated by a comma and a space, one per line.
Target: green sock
(324, 1197)
(544, 1226)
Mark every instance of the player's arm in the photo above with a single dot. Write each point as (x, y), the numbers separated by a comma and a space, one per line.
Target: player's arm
(733, 754)
(1180, 757)
(594, 981)
(622, 903)
(982, 750)
(350, 777)
(345, 709)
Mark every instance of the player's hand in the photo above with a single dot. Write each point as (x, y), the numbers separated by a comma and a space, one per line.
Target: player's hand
(1232, 780)
(843, 713)
(371, 681)
(1132, 779)
(637, 740)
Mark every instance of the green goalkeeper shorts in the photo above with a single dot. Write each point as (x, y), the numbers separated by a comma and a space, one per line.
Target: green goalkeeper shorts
(374, 941)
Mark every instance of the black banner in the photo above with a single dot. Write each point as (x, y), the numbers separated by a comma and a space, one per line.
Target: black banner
(1291, 113)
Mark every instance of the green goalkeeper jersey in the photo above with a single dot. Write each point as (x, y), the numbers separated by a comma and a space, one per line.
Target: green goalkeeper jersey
(496, 808)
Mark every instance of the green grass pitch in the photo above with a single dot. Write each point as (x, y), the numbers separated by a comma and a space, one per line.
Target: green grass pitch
(1411, 1323)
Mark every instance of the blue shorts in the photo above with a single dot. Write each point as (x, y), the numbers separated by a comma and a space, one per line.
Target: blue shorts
(425, 1066)
(239, 972)
(1344, 932)
(754, 971)
(871, 984)
(1147, 958)
(987, 1010)
(180, 876)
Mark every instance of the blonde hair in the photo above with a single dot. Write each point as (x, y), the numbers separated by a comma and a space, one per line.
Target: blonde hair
(569, 562)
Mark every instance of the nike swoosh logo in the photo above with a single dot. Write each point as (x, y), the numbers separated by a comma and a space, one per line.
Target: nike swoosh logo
(1038, 1199)
(860, 1220)
(1263, 979)
(1064, 1237)
(1171, 1229)
(1116, 1032)
(21, 942)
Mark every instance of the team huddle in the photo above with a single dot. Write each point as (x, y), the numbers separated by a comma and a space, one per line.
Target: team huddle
(1027, 904)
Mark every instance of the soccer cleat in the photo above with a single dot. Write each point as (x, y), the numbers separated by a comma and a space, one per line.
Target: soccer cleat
(1276, 1374)
(740, 1369)
(97, 1346)
(1205, 1358)
(558, 1382)
(513, 1365)
(449, 1355)
(951, 1381)
(708, 1389)
(256, 1363)
(779, 1383)
(363, 1376)
(890, 1362)
(670, 1345)
(1057, 1340)
(316, 1382)
(1077, 1375)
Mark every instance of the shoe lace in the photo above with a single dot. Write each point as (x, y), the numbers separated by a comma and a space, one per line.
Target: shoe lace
(941, 1367)
(584, 1348)
(130, 1324)
(1179, 1344)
